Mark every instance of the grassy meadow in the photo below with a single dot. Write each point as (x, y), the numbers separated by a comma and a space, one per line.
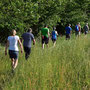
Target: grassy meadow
(65, 67)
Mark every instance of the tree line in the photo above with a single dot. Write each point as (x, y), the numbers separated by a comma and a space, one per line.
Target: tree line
(23, 14)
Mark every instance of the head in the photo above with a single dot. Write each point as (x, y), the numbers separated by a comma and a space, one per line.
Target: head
(46, 26)
(69, 25)
(78, 23)
(54, 28)
(13, 32)
(86, 23)
(30, 30)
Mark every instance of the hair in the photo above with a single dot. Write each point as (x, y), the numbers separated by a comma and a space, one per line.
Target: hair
(45, 25)
(30, 30)
(13, 31)
(86, 23)
(69, 24)
(78, 22)
(54, 28)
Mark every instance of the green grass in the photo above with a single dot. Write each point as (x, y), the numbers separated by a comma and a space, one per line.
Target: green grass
(65, 67)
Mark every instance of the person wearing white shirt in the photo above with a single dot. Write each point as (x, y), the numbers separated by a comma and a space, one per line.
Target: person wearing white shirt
(12, 43)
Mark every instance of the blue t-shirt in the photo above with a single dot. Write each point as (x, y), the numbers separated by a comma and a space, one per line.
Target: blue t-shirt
(76, 28)
(54, 35)
(27, 37)
(68, 29)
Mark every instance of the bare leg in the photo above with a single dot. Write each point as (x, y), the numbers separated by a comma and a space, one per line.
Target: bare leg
(43, 46)
(12, 63)
(54, 43)
(47, 45)
(15, 63)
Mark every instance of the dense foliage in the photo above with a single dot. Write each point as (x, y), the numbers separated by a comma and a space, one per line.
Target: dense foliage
(22, 14)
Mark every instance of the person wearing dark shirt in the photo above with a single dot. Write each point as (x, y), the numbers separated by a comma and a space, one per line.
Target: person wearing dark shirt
(68, 30)
(86, 29)
(28, 37)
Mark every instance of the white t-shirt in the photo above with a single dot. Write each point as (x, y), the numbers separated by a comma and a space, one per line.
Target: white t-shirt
(13, 43)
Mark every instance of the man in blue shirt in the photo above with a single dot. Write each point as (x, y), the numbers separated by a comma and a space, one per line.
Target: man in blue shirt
(68, 31)
(77, 30)
(54, 36)
(28, 37)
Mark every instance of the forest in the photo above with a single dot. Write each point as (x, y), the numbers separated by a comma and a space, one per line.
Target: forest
(23, 14)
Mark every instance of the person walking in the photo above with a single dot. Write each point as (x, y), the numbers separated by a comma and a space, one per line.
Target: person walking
(68, 30)
(86, 29)
(54, 36)
(12, 43)
(28, 37)
(45, 36)
(77, 30)
(79, 26)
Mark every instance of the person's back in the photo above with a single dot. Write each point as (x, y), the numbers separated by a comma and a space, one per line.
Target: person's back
(45, 36)
(44, 31)
(76, 28)
(13, 42)
(54, 34)
(68, 29)
(85, 28)
(27, 37)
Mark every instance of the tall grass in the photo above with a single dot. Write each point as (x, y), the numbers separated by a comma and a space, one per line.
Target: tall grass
(65, 67)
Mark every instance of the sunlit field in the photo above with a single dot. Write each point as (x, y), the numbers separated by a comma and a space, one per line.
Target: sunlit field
(64, 67)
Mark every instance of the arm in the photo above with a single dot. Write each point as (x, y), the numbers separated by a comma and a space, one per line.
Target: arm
(71, 30)
(6, 47)
(48, 33)
(34, 41)
(21, 39)
(56, 33)
(20, 45)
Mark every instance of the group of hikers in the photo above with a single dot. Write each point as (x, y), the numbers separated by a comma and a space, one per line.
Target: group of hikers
(68, 30)
(28, 37)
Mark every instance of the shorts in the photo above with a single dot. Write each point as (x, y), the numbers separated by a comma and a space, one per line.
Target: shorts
(54, 40)
(86, 32)
(67, 36)
(77, 33)
(27, 50)
(13, 54)
(45, 40)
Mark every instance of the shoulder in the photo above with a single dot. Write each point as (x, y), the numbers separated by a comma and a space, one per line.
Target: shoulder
(9, 37)
(31, 34)
(65, 27)
(76, 26)
(47, 29)
(17, 37)
(56, 32)
(23, 34)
